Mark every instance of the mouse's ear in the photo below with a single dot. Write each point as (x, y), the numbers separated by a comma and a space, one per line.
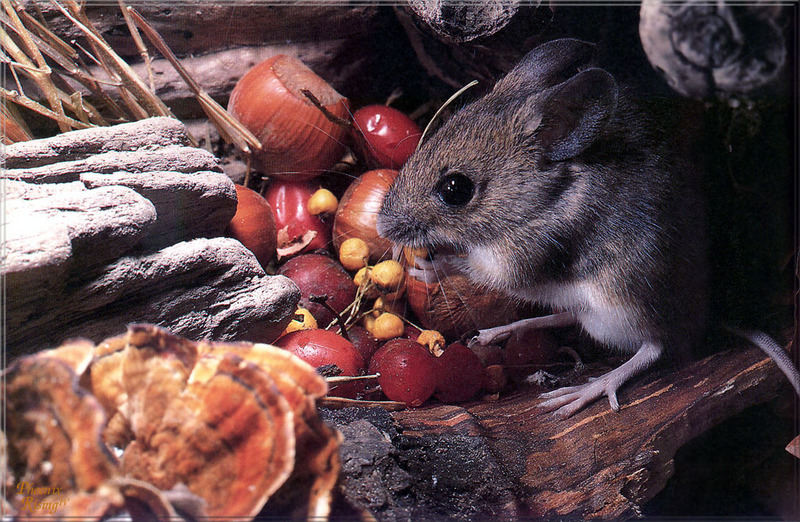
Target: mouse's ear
(548, 65)
(572, 116)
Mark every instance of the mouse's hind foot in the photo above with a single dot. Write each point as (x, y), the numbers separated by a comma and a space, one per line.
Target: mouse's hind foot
(569, 400)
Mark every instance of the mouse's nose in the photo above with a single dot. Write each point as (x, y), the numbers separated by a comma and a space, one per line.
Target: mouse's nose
(400, 227)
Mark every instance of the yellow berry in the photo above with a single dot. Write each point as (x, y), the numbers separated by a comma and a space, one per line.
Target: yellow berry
(353, 253)
(362, 276)
(385, 304)
(322, 202)
(387, 326)
(388, 276)
(361, 279)
(369, 322)
(433, 340)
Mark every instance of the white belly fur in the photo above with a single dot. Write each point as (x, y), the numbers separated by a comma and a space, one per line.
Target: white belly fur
(606, 322)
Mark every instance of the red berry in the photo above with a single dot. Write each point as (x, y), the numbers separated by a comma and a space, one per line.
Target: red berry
(364, 342)
(322, 347)
(406, 370)
(316, 274)
(459, 374)
(386, 136)
(293, 220)
(523, 355)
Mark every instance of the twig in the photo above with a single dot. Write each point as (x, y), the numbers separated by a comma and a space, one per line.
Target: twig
(33, 59)
(323, 300)
(328, 114)
(247, 173)
(62, 54)
(445, 104)
(73, 100)
(133, 84)
(26, 102)
(95, 88)
(42, 31)
(341, 402)
(137, 39)
(337, 379)
(393, 96)
(229, 127)
(12, 116)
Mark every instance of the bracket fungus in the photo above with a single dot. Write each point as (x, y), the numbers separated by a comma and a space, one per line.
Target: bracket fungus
(198, 429)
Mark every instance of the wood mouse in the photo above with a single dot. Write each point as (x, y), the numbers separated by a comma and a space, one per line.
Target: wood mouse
(556, 189)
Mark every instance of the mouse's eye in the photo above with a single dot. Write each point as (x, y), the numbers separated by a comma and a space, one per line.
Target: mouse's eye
(455, 189)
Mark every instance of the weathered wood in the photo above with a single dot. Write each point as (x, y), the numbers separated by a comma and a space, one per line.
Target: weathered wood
(92, 226)
(78, 145)
(105, 239)
(192, 198)
(188, 205)
(218, 42)
(171, 158)
(219, 71)
(204, 288)
(602, 464)
(201, 27)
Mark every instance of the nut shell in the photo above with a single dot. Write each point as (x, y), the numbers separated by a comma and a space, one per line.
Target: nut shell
(254, 225)
(297, 140)
(357, 214)
(457, 306)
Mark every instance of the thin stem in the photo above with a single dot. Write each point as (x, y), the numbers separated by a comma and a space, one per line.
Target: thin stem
(229, 127)
(26, 102)
(323, 300)
(133, 84)
(137, 39)
(328, 114)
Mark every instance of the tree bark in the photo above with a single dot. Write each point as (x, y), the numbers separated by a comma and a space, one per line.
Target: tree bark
(599, 463)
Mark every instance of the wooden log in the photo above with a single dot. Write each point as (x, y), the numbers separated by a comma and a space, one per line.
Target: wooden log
(91, 226)
(597, 464)
(204, 288)
(50, 237)
(79, 145)
(192, 198)
(171, 158)
(118, 217)
(219, 71)
(202, 27)
(188, 205)
(218, 45)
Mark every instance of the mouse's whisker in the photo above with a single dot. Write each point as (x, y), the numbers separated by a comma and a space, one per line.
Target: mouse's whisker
(397, 251)
(465, 305)
(441, 277)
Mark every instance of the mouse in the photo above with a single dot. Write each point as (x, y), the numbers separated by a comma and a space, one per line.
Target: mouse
(555, 188)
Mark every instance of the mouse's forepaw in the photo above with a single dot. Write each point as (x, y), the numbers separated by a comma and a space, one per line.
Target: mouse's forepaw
(431, 272)
(489, 336)
(426, 275)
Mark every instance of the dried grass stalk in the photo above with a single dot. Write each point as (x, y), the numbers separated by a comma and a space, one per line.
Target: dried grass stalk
(229, 127)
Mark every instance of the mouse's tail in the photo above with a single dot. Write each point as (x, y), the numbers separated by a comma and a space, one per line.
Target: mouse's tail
(775, 351)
